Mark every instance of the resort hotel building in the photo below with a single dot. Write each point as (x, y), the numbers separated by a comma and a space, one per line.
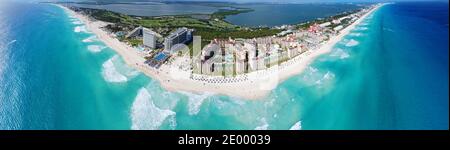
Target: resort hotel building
(181, 35)
(149, 38)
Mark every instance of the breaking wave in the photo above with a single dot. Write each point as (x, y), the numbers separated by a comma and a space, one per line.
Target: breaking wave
(96, 48)
(314, 77)
(145, 115)
(361, 28)
(195, 101)
(12, 42)
(76, 22)
(309, 75)
(264, 125)
(312, 69)
(71, 16)
(110, 72)
(90, 39)
(340, 53)
(351, 43)
(329, 75)
(165, 99)
(297, 126)
(363, 24)
(355, 34)
(80, 29)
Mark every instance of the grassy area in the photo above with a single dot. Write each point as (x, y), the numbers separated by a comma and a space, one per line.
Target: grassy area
(247, 34)
(161, 21)
(208, 29)
(109, 16)
(222, 13)
(171, 22)
(134, 42)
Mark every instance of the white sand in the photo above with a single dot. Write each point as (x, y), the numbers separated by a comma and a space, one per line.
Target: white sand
(258, 85)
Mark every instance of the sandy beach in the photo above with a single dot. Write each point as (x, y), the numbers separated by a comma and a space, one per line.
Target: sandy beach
(258, 84)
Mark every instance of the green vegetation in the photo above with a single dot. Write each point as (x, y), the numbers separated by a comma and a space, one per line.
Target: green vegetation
(159, 22)
(170, 22)
(134, 42)
(208, 35)
(208, 29)
(305, 25)
(222, 13)
(108, 16)
(246, 34)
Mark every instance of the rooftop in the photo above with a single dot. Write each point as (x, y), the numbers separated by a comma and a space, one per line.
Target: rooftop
(178, 31)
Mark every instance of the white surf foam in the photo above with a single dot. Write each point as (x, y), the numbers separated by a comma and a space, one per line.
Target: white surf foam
(361, 28)
(165, 99)
(77, 29)
(237, 101)
(124, 68)
(329, 75)
(355, 34)
(172, 122)
(77, 22)
(344, 55)
(312, 69)
(96, 48)
(263, 126)
(311, 74)
(352, 43)
(340, 53)
(195, 101)
(80, 29)
(72, 17)
(270, 102)
(363, 24)
(132, 73)
(110, 72)
(12, 42)
(145, 115)
(90, 39)
(297, 126)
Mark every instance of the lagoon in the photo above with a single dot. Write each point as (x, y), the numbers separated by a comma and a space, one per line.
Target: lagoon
(279, 14)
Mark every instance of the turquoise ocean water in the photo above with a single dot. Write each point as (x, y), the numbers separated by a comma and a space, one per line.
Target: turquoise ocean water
(391, 72)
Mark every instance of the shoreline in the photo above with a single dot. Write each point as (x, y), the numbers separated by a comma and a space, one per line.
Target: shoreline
(259, 83)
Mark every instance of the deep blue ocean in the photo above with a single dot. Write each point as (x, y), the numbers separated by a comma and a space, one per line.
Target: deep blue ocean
(391, 72)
